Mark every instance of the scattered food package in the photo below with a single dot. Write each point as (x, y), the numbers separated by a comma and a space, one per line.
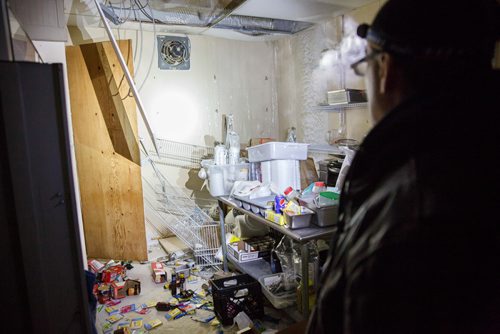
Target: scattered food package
(114, 318)
(153, 324)
(136, 323)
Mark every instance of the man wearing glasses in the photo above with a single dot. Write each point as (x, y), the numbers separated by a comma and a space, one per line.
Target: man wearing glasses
(418, 243)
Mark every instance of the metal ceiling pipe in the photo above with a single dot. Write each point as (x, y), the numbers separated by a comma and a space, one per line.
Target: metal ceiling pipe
(130, 81)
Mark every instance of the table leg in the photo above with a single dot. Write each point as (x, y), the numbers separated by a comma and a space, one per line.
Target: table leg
(223, 236)
(305, 280)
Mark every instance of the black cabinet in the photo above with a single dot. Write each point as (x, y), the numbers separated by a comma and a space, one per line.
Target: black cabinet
(42, 278)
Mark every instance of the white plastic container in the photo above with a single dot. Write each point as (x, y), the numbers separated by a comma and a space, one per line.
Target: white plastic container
(221, 178)
(277, 151)
(282, 300)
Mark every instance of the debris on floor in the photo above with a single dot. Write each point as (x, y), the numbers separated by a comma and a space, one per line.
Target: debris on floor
(169, 294)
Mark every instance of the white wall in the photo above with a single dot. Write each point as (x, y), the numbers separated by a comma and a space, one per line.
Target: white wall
(226, 76)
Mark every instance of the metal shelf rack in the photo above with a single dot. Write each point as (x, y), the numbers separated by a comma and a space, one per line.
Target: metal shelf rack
(302, 236)
(182, 155)
(169, 209)
(339, 107)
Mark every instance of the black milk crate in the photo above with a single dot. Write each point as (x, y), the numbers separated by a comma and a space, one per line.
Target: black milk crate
(245, 295)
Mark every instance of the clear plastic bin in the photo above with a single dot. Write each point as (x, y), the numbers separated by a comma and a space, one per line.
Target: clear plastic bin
(277, 151)
(221, 178)
(280, 300)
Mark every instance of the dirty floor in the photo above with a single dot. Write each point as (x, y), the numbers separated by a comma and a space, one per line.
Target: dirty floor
(152, 292)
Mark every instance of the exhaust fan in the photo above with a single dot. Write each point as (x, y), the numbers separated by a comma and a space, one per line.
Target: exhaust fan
(173, 53)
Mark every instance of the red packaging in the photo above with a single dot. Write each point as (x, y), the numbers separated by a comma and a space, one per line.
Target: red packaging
(127, 308)
(95, 266)
(159, 274)
(118, 290)
(109, 275)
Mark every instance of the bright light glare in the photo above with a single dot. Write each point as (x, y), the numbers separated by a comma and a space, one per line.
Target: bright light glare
(176, 115)
(329, 58)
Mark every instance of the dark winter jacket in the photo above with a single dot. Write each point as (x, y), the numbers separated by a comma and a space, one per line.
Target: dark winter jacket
(418, 248)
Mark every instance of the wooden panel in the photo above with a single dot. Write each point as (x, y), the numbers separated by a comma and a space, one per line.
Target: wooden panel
(110, 184)
(112, 92)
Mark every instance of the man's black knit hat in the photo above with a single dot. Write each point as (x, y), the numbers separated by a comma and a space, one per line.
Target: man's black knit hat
(435, 29)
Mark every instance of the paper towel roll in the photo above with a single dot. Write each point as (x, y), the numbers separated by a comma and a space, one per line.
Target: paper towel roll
(285, 173)
(216, 183)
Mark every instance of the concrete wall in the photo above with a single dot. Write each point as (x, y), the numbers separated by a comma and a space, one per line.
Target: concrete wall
(304, 77)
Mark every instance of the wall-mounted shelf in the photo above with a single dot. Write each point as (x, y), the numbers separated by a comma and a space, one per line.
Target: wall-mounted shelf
(324, 148)
(339, 107)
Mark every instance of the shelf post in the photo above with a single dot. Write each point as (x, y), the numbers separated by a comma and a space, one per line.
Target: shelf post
(223, 235)
(305, 280)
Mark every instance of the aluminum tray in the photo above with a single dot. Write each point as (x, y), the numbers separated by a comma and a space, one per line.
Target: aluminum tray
(325, 216)
(298, 221)
(256, 205)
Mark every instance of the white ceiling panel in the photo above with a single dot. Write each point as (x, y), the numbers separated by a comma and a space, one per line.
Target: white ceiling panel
(298, 10)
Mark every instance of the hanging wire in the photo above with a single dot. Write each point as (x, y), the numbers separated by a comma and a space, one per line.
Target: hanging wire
(154, 44)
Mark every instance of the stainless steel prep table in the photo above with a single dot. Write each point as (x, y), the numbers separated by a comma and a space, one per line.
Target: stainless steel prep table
(302, 236)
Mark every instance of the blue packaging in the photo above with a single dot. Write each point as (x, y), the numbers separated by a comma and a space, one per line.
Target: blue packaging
(279, 203)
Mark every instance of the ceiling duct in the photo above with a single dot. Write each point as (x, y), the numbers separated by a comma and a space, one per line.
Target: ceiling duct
(257, 26)
(204, 13)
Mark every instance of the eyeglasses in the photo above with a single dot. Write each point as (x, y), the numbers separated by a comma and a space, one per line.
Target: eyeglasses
(361, 65)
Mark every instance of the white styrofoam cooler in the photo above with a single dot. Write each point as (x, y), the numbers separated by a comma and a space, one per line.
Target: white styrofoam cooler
(277, 151)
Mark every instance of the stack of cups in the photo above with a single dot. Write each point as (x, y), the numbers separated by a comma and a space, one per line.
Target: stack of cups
(220, 155)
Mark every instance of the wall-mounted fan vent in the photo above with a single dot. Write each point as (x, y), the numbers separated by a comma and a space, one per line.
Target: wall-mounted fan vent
(173, 53)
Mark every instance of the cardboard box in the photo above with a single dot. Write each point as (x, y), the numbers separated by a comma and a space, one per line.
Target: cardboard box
(242, 252)
(132, 287)
(159, 273)
(95, 266)
(274, 217)
(118, 290)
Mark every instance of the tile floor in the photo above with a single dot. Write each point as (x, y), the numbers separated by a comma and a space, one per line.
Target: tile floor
(151, 291)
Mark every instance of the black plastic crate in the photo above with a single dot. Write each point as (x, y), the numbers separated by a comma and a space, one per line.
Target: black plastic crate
(245, 295)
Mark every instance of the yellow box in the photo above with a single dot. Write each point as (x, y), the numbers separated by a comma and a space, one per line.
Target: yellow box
(275, 217)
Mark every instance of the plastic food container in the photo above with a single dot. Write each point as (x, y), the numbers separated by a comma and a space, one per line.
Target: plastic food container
(277, 151)
(279, 300)
(257, 205)
(325, 216)
(298, 221)
(221, 178)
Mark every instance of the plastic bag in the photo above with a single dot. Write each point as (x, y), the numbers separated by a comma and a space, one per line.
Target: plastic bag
(311, 263)
(284, 251)
(349, 156)
(246, 227)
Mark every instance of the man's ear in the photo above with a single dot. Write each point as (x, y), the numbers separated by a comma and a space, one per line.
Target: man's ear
(384, 71)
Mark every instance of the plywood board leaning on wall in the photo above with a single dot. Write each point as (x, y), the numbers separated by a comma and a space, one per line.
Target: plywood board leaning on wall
(107, 151)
